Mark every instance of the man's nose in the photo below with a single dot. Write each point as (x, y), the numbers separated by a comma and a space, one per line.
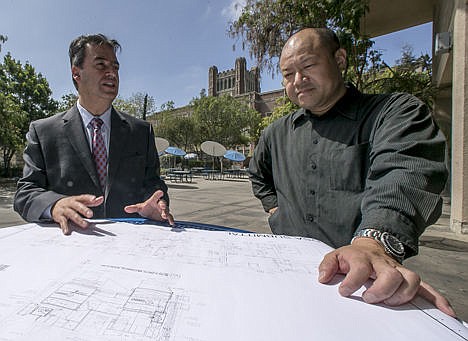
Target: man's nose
(111, 72)
(299, 77)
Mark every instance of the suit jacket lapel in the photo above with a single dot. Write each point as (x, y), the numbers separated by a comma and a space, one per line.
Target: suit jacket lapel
(118, 140)
(74, 130)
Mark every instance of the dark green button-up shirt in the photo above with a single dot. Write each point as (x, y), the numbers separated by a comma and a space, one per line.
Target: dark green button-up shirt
(372, 161)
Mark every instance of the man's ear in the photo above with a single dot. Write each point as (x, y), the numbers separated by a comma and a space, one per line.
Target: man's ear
(75, 72)
(340, 58)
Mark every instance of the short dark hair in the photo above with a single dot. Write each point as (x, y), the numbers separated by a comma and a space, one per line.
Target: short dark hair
(328, 38)
(77, 49)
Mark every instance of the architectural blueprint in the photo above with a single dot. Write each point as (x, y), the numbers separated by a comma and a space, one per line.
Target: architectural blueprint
(118, 281)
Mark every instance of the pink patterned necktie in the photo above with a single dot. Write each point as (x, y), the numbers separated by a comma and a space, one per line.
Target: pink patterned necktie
(99, 151)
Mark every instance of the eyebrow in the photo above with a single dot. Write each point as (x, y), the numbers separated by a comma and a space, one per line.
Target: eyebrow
(301, 61)
(115, 62)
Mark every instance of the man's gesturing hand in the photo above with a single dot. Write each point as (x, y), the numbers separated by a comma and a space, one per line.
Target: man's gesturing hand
(75, 209)
(154, 208)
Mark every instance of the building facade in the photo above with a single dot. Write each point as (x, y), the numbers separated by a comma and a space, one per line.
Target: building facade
(243, 84)
(239, 83)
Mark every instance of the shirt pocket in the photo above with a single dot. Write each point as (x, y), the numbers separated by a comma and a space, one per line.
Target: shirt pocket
(348, 168)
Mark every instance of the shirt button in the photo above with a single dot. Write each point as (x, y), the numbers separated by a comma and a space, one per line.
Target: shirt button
(315, 141)
(313, 165)
(312, 192)
(310, 218)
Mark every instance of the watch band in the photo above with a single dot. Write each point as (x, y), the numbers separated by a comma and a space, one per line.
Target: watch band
(391, 244)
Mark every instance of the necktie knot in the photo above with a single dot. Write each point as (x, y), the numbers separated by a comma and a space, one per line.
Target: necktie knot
(97, 123)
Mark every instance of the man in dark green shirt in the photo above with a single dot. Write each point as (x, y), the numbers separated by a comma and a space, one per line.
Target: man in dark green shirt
(362, 173)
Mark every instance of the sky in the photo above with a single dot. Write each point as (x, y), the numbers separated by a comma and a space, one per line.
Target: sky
(167, 46)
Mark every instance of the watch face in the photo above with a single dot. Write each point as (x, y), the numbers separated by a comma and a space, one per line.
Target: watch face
(393, 244)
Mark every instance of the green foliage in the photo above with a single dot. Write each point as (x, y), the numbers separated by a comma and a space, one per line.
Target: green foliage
(169, 105)
(26, 96)
(29, 90)
(411, 74)
(180, 131)
(67, 101)
(226, 120)
(11, 139)
(284, 106)
(264, 26)
(135, 105)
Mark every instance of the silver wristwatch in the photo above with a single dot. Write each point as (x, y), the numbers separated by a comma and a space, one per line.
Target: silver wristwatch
(392, 245)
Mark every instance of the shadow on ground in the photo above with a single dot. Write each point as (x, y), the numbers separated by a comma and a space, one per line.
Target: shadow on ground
(178, 186)
(442, 243)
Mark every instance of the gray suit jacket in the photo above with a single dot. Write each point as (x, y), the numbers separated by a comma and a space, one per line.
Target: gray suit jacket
(58, 163)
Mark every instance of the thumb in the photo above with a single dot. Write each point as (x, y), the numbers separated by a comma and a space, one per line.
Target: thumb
(132, 208)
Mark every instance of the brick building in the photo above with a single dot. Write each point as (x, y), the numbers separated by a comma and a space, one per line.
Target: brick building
(239, 83)
(243, 84)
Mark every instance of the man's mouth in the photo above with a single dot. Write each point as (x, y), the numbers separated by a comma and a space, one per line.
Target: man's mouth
(302, 91)
(109, 84)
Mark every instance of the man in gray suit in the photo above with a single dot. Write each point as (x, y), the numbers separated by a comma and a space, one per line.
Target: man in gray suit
(61, 181)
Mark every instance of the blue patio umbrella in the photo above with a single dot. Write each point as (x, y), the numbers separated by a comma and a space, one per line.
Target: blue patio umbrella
(175, 151)
(234, 156)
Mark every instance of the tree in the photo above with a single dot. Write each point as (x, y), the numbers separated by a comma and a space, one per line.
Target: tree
(169, 105)
(135, 104)
(26, 97)
(410, 74)
(180, 131)
(226, 120)
(283, 107)
(67, 101)
(264, 27)
(11, 139)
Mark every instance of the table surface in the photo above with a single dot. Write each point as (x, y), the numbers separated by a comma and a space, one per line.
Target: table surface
(179, 224)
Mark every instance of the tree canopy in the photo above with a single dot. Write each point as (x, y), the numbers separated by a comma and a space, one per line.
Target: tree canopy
(224, 119)
(138, 104)
(25, 96)
(264, 26)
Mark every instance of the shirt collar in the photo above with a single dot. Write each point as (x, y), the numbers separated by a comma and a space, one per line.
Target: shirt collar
(346, 106)
(86, 116)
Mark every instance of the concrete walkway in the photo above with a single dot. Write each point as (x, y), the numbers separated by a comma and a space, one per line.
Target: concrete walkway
(442, 260)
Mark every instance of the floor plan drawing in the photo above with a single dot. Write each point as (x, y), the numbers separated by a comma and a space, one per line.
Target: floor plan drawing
(143, 313)
(92, 307)
(140, 283)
